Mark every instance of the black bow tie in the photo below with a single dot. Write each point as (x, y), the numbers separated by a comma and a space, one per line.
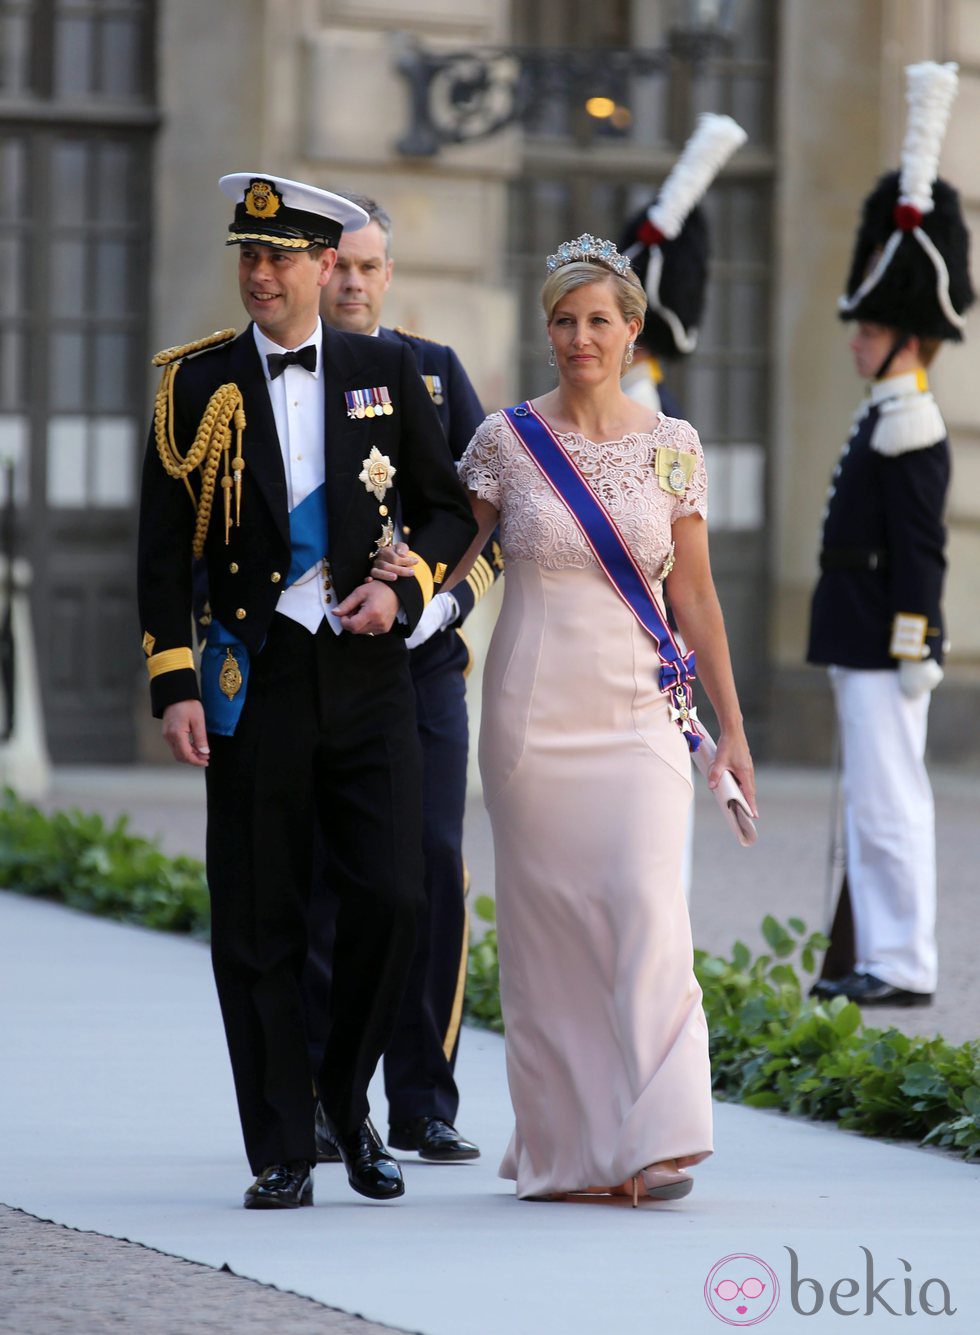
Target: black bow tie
(278, 361)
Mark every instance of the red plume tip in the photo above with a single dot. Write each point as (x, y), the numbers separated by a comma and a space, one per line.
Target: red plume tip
(906, 217)
(648, 235)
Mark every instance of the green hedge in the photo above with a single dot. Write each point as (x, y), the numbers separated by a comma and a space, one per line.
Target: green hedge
(81, 861)
(772, 1047)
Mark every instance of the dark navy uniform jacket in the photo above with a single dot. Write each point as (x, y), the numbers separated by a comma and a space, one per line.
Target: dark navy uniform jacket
(460, 412)
(883, 537)
(244, 575)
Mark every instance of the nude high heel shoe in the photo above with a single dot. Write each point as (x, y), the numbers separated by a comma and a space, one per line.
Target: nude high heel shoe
(662, 1183)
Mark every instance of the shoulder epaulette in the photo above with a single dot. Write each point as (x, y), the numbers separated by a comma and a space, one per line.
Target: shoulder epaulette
(219, 435)
(410, 333)
(908, 422)
(177, 354)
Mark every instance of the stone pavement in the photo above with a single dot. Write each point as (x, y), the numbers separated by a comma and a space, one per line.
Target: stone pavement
(57, 1280)
(780, 1182)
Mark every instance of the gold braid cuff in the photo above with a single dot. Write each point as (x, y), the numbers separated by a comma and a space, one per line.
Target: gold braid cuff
(170, 660)
(225, 409)
(480, 578)
(423, 573)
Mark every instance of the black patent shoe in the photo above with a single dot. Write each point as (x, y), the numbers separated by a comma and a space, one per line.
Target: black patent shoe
(433, 1139)
(281, 1186)
(326, 1149)
(867, 990)
(825, 989)
(370, 1168)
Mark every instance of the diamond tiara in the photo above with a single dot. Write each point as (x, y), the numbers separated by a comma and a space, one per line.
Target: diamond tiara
(589, 248)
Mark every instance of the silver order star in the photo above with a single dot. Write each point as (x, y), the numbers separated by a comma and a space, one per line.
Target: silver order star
(377, 473)
(685, 714)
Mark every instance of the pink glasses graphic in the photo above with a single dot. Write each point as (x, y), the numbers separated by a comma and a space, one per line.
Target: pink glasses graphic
(728, 1291)
(741, 1289)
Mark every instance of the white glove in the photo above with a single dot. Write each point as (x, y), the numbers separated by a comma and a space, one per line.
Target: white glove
(441, 612)
(915, 679)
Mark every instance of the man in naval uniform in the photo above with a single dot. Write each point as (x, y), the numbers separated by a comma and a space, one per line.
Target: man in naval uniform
(281, 456)
(876, 618)
(419, 1060)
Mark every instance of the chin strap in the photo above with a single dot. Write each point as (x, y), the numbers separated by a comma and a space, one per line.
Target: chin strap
(901, 340)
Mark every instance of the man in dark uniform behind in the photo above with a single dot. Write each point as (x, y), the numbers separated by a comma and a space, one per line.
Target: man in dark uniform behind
(419, 1061)
(304, 715)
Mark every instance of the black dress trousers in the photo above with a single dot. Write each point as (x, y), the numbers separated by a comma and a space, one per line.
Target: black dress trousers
(328, 743)
(419, 1059)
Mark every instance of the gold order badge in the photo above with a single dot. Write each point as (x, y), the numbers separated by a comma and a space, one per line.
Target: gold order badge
(262, 200)
(230, 678)
(377, 473)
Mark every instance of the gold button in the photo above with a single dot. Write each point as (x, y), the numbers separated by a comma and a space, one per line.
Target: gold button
(328, 599)
(382, 510)
(275, 577)
(234, 567)
(240, 613)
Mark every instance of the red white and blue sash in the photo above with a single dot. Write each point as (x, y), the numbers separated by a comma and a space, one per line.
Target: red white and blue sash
(614, 556)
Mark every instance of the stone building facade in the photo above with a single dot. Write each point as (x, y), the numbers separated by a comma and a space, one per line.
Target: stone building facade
(117, 117)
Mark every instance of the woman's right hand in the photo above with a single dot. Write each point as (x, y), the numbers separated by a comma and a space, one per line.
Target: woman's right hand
(392, 563)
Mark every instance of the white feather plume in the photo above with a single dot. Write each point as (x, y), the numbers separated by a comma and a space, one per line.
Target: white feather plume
(930, 90)
(713, 142)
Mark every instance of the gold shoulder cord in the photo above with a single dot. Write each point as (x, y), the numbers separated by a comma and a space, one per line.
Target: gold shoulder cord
(213, 439)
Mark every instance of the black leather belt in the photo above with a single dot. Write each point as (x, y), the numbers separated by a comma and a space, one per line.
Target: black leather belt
(853, 558)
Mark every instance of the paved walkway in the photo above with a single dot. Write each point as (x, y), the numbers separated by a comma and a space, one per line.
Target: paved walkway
(118, 1118)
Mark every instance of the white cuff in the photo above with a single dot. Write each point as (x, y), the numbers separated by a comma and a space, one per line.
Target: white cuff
(440, 612)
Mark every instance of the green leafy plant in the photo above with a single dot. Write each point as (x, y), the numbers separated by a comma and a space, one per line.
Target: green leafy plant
(772, 1047)
(79, 860)
(482, 998)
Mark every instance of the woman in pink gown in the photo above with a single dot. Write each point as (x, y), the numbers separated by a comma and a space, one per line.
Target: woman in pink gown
(587, 780)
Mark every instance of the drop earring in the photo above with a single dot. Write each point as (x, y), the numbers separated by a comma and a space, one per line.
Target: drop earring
(629, 353)
(551, 354)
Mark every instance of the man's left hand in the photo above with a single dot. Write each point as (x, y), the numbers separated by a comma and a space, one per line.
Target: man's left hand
(370, 610)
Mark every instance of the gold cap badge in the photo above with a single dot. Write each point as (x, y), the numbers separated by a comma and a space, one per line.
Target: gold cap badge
(262, 200)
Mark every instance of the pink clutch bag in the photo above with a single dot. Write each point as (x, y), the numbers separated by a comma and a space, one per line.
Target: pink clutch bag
(728, 795)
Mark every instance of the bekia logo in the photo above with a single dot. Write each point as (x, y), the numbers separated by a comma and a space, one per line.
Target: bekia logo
(742, 1290)
(893, 1295)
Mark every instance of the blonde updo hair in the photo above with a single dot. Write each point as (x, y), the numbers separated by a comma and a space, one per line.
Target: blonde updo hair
(630, 296)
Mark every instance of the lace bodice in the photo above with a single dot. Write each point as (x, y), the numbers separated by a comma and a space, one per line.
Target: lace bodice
(536, 526)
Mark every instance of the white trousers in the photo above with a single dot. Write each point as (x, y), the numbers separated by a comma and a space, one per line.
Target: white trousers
(889, 827)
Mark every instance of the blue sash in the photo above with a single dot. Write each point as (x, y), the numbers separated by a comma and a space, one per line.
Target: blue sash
(615, 558)
(307, 533)
(221, 712)
(224, 655)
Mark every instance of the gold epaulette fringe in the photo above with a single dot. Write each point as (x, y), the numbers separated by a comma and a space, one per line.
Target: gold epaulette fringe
(411, 333)
(169, 355)
(225, 410)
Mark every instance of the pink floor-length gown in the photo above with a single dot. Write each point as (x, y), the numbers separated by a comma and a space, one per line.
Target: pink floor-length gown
(588, 784)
